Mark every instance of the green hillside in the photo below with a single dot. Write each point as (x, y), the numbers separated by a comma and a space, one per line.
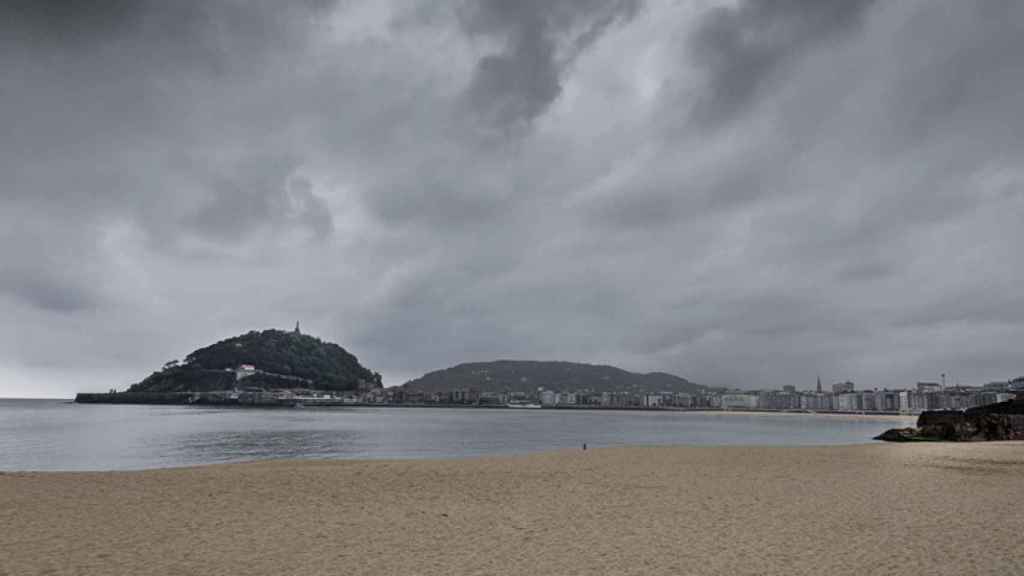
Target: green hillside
(283, 359)
(527, 376)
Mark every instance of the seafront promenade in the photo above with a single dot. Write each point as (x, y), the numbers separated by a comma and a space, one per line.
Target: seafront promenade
(842, 399)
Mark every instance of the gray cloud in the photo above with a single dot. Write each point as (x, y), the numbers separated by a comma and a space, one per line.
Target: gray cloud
(43, 291)
(540, 39)
(748, 195)
(260, 193)
(742, 47)
(49, 23)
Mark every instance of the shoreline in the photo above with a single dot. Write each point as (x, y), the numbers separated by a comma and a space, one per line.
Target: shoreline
(308, 404)
(863, 509)
(553, 453)
(298, 461)
(862, 415)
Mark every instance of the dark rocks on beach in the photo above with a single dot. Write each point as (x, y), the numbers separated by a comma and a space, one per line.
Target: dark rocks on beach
(899, 435)
(966, 426)
(1002, 421)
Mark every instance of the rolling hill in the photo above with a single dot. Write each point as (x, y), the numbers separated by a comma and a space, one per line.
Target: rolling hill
(527, 376)
(282, 359)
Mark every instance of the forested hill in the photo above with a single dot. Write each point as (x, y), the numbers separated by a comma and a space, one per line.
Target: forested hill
(527, 376)
(283, 359)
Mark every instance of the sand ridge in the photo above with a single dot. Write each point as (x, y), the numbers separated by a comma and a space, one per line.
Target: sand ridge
(871, 509)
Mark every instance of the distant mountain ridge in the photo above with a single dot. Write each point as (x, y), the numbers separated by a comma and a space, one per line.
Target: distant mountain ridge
(526, 376)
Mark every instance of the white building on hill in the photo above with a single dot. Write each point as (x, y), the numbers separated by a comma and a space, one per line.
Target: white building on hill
(244, 371)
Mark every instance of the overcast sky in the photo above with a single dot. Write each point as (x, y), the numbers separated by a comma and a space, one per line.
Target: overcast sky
(742, 193)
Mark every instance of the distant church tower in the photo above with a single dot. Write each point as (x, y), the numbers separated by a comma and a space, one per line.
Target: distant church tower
(299, 332)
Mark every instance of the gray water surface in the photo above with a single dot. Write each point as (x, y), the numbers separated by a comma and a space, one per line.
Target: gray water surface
(59, 435)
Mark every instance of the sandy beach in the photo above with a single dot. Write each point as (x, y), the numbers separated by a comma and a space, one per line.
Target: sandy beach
(873, 509)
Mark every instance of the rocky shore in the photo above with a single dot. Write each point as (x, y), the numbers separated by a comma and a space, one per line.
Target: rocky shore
(1002, 421)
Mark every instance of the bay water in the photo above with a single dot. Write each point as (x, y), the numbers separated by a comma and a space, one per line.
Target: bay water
(61, 435)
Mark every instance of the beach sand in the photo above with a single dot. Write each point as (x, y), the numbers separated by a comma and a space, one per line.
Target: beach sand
(875, 509)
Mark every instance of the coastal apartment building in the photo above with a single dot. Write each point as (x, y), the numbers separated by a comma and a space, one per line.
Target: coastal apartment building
(924, 396)
(739, 401)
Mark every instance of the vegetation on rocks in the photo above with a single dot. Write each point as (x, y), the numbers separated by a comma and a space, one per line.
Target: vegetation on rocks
(283, 360)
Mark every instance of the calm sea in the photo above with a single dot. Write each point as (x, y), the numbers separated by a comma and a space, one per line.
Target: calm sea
(59, 435)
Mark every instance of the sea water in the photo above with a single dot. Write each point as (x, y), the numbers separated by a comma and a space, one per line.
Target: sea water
(60, 435)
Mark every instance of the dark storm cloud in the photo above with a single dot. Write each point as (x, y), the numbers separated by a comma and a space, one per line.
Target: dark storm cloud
(261, 191)
(104, 95)
(49, 20)
(41, 289)
(741, 47)
(745, 194)
(959, 72)
(45, 263)
(100, 21)
(540, 39)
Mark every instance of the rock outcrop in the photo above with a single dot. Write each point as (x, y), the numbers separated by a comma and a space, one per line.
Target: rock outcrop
(899, 435)
(1002, 421)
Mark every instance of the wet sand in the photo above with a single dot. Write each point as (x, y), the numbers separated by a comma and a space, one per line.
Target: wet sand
(875, 509)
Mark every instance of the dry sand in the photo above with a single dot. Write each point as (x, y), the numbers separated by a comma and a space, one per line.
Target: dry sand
(878, 509)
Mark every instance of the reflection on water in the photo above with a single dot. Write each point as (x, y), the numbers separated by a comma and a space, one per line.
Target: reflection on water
(57, 435)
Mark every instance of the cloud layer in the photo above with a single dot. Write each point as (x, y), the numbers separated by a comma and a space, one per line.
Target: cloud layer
(743, 193)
